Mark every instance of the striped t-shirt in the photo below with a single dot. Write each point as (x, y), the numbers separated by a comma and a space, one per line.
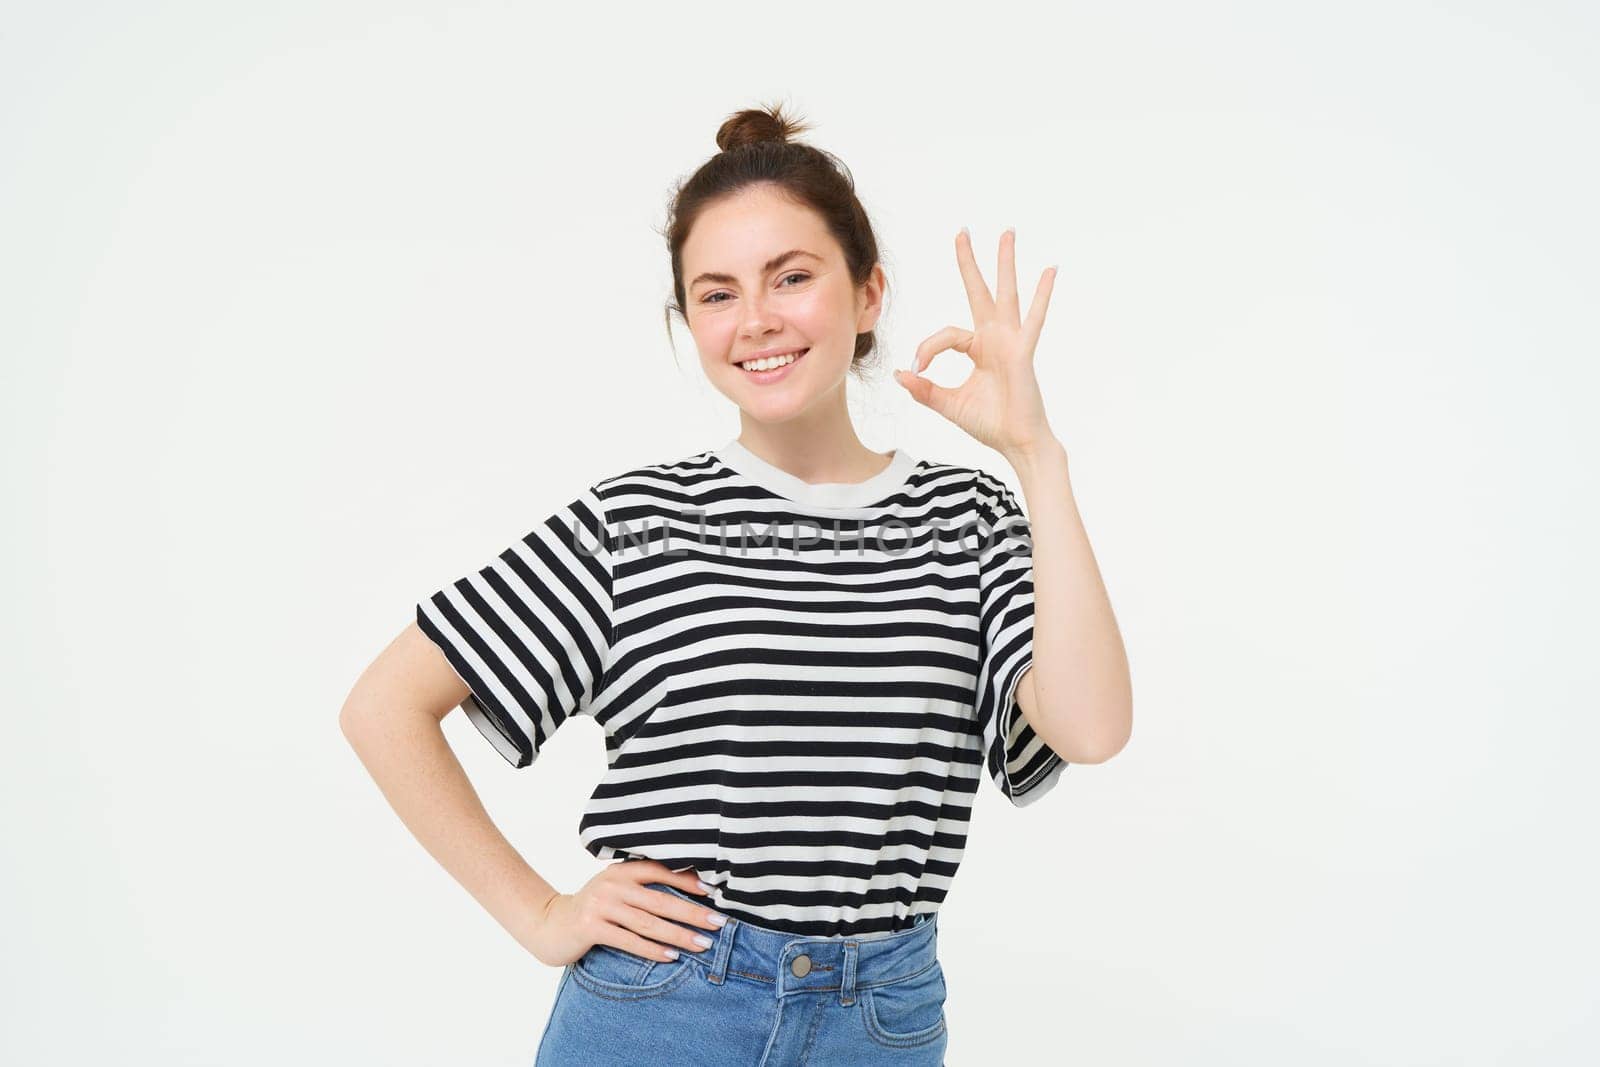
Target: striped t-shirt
(800, 684)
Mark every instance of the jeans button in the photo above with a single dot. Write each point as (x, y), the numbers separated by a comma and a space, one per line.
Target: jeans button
(801, 966)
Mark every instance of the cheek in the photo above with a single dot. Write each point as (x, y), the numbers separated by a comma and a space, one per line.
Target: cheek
(714, 335)
(817, 315)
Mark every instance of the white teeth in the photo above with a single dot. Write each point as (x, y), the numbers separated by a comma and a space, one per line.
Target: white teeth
(772, 361)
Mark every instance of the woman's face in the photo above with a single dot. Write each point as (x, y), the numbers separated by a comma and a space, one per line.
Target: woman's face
(763, 274)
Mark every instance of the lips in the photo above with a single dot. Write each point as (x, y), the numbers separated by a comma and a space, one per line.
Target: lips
(776, 372)
(771, 353)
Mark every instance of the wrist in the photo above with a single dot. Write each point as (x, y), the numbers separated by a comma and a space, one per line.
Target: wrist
(532, 914)
(1046, 453)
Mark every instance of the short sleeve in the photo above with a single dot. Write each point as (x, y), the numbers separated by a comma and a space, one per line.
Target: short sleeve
(1016, 758)
(530, 632)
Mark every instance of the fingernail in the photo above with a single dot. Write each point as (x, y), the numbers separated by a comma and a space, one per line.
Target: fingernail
(718, 920)
(704, 888)
(670, 953)
(702, 940)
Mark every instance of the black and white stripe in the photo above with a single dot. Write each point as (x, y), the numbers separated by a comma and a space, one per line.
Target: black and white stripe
(801, 717)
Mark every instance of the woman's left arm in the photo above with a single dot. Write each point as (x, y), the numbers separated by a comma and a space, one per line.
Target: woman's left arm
(1076, 694)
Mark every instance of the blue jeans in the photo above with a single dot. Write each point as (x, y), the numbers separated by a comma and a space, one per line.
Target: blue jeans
(757, 997)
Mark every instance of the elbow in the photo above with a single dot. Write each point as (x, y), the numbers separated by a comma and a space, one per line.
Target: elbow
(1092, 754)
(1101, 745)
(1100, 753)
(349, 722)
(370, 716)
(353, 719)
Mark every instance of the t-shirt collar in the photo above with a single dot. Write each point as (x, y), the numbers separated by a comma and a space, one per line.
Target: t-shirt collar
(818, 494)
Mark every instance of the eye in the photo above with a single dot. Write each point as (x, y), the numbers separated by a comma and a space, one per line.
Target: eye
(708, 298)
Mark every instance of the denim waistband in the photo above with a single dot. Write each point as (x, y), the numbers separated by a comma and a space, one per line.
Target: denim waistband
(797, 964)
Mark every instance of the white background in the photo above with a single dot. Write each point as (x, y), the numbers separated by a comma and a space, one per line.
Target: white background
(307, 309)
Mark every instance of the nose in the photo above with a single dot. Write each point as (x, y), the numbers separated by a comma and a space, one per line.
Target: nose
(757, 320)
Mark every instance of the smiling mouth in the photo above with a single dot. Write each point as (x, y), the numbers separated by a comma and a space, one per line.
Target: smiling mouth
(762, 366)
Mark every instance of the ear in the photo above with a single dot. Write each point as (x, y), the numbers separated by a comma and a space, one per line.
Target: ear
(869, 298)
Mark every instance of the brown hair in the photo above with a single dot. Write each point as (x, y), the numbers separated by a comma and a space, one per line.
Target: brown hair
(756, 148)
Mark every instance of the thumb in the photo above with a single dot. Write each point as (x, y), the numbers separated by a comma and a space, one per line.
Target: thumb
(924, 390)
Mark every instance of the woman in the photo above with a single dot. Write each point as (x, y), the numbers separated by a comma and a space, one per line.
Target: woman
(804, 654)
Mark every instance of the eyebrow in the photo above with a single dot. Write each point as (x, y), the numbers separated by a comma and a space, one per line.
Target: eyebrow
(771, 265)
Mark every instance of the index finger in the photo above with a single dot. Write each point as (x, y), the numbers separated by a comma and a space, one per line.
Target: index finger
(978, 297)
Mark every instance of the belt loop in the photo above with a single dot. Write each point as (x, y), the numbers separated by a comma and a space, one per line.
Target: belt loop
(847, 984)
(720, 956)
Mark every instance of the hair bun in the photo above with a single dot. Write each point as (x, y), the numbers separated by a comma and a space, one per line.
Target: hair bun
(757, 125)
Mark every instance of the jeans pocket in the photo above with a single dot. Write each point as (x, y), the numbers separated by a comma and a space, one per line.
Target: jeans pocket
(620, 974)
(907, 1012)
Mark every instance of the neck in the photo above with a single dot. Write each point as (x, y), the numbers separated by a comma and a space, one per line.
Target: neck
(820, 447)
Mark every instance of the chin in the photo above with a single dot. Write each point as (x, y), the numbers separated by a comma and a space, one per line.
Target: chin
(774, 410)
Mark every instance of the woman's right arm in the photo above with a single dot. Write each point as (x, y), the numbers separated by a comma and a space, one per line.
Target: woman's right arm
(392, 719)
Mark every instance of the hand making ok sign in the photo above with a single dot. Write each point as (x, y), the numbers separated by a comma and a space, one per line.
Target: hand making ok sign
(999, 403)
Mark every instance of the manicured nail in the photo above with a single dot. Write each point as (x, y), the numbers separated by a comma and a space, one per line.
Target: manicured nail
(702, 940)
(670, 953)
(704, 888)
(718, 920)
